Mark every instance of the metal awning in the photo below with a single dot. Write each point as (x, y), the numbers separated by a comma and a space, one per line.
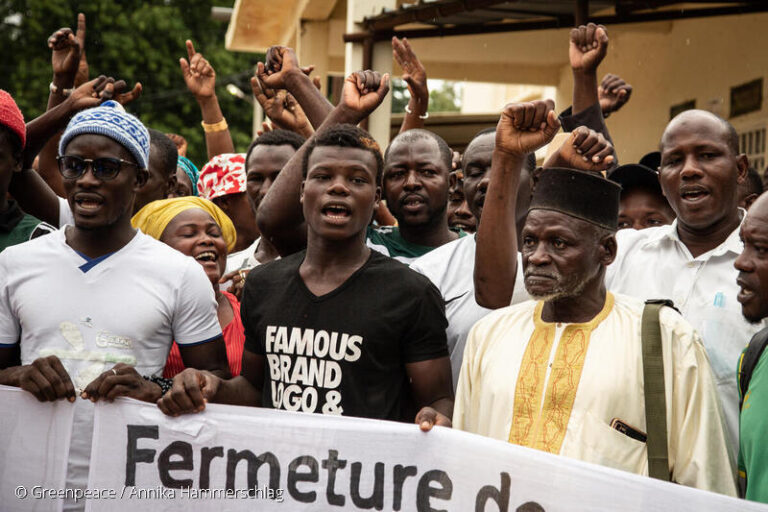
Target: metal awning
(440, 18)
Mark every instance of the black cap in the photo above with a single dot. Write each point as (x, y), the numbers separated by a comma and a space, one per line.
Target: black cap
(636, 175)
(652, 160)
(584, 195)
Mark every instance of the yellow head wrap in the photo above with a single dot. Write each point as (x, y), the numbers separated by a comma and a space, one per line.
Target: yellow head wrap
(153, 218)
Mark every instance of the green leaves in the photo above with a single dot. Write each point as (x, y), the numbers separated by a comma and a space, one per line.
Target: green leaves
(137, 41)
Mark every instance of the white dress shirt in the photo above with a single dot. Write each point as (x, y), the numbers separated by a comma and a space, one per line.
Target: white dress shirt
(654, 263)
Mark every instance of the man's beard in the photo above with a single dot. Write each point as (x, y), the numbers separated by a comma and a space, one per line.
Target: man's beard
(564, 289)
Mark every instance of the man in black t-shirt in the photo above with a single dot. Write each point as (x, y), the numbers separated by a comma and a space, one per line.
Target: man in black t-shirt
(337, 328)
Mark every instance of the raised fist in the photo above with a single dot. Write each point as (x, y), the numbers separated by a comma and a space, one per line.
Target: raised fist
(589, 44)
(585, 150)
(613, 93)
(525, 127)
(363, 91)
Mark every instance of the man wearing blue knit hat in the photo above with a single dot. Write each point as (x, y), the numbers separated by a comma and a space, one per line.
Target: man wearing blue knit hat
(91, 308)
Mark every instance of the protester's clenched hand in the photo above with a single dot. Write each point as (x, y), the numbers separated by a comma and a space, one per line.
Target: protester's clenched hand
(428, 417)
(122, 380)
(237, 277)
(67, 49)
(414, 74)
(280, 62)
(613, 93)
(281, 107)
(190, 392)
(199, 75)
(525, 127)
(47, 379)
(362, 92)
(586, 150)
(589, 44)
(180, 142)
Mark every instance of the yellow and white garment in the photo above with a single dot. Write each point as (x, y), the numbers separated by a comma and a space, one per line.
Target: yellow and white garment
(558, 387)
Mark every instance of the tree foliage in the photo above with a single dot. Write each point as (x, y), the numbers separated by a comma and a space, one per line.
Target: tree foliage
(137, 41)
(443, 96)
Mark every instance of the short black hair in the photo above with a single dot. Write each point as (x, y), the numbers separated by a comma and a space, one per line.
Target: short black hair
(277, 137)
(168, 152)
(754, 183)
(13, 139)
(530, 158)
(446, 154)
(345, 136)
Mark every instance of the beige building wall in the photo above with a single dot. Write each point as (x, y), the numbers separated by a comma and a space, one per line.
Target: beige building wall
(697, 59)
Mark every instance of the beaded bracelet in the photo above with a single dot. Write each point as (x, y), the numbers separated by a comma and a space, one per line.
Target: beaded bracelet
(165, 384)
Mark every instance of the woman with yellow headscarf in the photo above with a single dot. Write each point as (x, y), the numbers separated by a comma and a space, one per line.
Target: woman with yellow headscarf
(201, 230)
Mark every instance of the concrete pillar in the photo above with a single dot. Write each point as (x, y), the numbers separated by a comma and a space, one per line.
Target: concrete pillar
(313, 50)
(379, 121)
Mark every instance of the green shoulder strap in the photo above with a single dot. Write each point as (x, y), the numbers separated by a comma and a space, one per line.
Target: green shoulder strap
(655, 399)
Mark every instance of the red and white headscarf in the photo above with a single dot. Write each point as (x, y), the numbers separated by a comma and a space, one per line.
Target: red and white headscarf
(224, 174)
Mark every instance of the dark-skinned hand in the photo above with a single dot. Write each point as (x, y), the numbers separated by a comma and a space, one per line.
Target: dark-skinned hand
(428, 417)
(122, 380)
(198, 73)
(525, 127)
(613, 93)
(238, 276)
(67, 48)
(180, 142)
(265, 128)
(280, 62)
(585, 150)
(190, 392)
(362, 93)
(281, 107)
(414, 74)
(588, 46)
(47, 379)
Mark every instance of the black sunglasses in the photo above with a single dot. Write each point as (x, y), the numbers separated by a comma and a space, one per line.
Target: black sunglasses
(104, 169)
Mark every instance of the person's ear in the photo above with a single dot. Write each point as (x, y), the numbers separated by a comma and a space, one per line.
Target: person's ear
(749, 200)
(742, 168)
(301, 192)
(142, 176)
(608, 249)
(377, 198)
(171, 184)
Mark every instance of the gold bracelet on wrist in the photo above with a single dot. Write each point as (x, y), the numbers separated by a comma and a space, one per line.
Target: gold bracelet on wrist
(215, 127)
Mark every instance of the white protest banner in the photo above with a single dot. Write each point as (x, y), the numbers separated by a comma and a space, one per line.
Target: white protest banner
(34, 446)
(236, 458)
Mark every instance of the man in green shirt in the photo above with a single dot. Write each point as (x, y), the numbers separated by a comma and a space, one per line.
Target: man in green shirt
(752, 265)
(15, 225)
(417, 167)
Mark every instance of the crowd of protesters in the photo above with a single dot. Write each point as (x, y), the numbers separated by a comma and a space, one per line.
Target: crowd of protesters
(481, 291)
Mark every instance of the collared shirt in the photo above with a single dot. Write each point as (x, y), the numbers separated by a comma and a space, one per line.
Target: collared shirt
(596, 379)
(654, 263)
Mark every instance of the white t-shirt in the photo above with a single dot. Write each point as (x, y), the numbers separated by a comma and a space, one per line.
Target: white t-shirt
(451, 268)
(66, 217)
(126, 307)
(654, 263)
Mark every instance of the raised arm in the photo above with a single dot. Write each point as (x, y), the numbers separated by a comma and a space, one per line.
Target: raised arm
(522, 129)
(585, 149)
(613, 94)
(588, 46)
(415, 76)
(282, 71)
(281, 108)
(280, 218)
(200, 78)
(67, 55)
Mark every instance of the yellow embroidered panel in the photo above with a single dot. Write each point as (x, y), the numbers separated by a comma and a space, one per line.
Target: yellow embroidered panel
(530, 380)
(544, 429)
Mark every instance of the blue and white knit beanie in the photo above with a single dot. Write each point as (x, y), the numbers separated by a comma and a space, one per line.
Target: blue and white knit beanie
(111, 120)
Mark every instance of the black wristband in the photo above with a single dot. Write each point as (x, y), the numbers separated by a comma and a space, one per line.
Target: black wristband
(165, 384)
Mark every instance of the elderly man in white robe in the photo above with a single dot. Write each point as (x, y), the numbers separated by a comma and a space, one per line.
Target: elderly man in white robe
(564, 373)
